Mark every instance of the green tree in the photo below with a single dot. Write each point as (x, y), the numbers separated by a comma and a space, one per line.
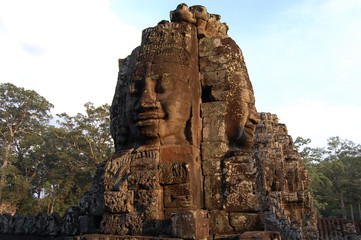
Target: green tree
(43, 167)
(318, 182)
(334, 175)
(342, 165)
(89, 133)
(78, 144)
(23, 116)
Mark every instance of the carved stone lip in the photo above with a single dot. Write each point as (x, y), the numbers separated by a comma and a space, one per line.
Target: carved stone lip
(150, 115)
(149, 118)
(147, 122)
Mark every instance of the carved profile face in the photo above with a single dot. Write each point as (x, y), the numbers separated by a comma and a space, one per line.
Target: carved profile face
(158, 104)
(241, 116)
(249, 129)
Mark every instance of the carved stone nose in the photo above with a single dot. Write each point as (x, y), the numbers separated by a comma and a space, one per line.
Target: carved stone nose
(148, 101)
(149, 98)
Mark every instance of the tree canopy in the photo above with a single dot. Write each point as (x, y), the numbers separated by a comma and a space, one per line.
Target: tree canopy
(47, 167)
(335, 176)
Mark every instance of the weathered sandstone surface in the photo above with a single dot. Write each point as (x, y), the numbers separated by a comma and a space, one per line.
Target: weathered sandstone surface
(193, 157)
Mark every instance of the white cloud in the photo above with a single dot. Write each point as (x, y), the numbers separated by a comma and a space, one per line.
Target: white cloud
(65, 50)
(313, 52)
(320, 120)
(342, 7)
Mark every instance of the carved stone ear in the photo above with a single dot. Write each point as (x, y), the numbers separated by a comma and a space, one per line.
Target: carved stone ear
(123, 136)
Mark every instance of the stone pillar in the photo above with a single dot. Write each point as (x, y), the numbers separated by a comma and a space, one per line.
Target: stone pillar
(229, 118)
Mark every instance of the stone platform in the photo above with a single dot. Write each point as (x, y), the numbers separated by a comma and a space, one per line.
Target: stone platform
(253, 235)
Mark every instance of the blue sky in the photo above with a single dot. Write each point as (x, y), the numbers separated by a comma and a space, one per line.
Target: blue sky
(303, 57)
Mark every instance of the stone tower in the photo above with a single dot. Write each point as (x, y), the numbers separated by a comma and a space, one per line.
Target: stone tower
(193, 157)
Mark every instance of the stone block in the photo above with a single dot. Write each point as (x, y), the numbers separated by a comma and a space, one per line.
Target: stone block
(263, 155)
(209, 109)
(114, 176)
(18, 224)
(147, 179)
(119, 202)
(29, 224)
(201, 28)
(173, 173)
(211, 167)
(41, 219)
(214, 129)
(213, 25)
(190, 225)
(304, 197)
(142, 164)
(212, 63)
(213, 78)
(260, 235)
(179, 195)
(220, 94)
(292, 156)
(84, 224)
(212, 150)
(5, 220)
(53, 227)
(264, 137)
(70, 225)
(157, 227)
(134, 223)
(207, 46)
(168, 212)
(176, 154)
(219, 222)
(114, 224)
(242, 222)
(240, 157)
(245, 170)
(290, 197)
(240, 195)
(213, 192)
(12, 223)
(149, 203)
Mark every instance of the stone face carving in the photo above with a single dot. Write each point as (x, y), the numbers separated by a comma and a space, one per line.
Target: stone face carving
(184, 122)
(157, 100)
(193, 157)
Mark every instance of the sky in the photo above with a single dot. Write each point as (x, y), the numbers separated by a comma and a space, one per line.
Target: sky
(303, 56)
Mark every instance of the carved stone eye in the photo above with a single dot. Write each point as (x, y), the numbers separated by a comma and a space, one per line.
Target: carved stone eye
(136, 88)
(165, 83)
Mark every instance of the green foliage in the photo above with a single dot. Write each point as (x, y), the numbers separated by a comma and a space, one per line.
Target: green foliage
(23, 116)
(77, 145)
(43, 167)
(89, 133)
(334, 175)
